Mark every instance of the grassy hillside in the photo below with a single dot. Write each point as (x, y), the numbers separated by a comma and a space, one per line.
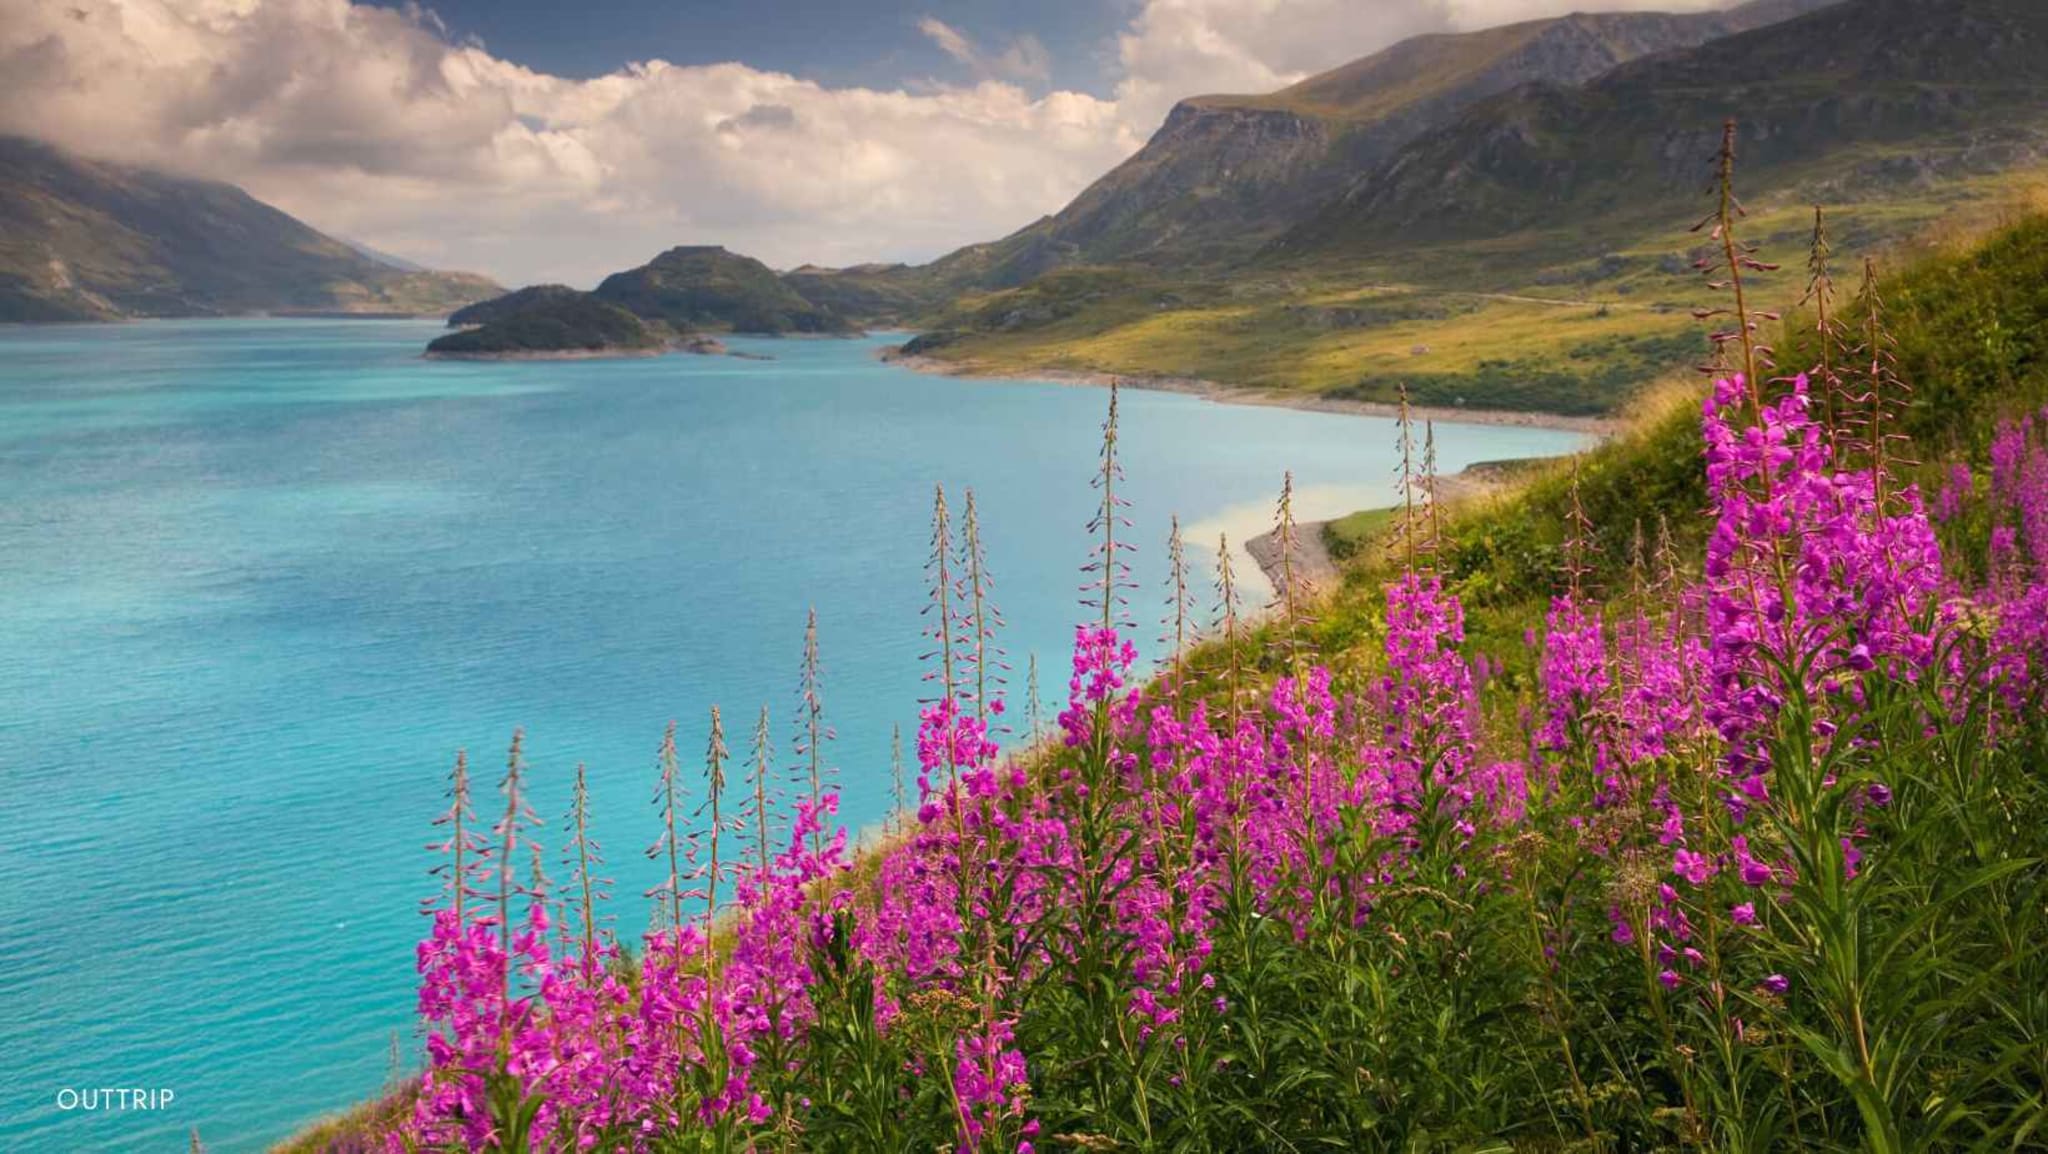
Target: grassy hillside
(85, 240)
(1449, 346)
(1870, 93)
(1966, 320)
(1574, 320)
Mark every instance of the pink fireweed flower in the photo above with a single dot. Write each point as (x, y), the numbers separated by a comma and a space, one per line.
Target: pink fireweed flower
(1800, 552)
(1696, 868)
(1574, 671)
(1427, 705)
(1955, 494)
(484, 1026)
(1102, 667)
(1752, 871)
(989, 1080)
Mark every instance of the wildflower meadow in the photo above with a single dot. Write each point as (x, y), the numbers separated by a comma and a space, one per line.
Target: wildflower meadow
(1753, 860)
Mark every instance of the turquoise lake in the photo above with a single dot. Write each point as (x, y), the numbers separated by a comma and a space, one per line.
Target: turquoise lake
(259, 580)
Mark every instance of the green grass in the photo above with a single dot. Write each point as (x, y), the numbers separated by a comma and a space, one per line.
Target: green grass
(1452, 348)
(1970, 324)
(1352, 536)
(357, 1130)
(1574, 320)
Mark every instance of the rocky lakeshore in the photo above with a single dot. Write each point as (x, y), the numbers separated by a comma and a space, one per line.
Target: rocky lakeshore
(1314, 569)
(1313, 562)
(702, 346)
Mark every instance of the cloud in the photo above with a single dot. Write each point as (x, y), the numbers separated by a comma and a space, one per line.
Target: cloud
(760, 116)
(1024, 59)
(950, 40)
(370, 123)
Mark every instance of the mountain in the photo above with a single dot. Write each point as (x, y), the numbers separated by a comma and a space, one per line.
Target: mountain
(88, 240)
(1530, 251)
(1870, 97)
(1226, 173)
(700, 287)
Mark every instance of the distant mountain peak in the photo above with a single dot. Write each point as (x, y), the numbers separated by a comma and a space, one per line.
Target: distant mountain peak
(691, 251)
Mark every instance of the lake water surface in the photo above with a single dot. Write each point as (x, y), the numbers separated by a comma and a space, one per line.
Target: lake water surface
(260, 579)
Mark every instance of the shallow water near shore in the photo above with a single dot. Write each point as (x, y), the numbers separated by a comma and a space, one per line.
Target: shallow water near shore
(260, 579)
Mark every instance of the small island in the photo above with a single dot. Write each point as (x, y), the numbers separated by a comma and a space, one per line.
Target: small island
(672, 303)
(557, 322)
(548, 321)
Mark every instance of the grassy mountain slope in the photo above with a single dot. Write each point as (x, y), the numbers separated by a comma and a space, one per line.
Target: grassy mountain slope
(1226, 173)
(1968, 324)
(1519, 256)
(86, 240)
(1876, 94)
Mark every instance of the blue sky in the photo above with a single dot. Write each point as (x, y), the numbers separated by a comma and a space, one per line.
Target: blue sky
(831, 41)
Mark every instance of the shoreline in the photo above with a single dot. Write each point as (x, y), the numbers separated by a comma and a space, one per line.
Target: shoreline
(1322, 572)
(700, 346)
(1220, 393)
(1314, 568)
(549, 355)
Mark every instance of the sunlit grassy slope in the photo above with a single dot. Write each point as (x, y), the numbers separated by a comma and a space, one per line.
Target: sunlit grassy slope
(1562, 320)
(1967, 318)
